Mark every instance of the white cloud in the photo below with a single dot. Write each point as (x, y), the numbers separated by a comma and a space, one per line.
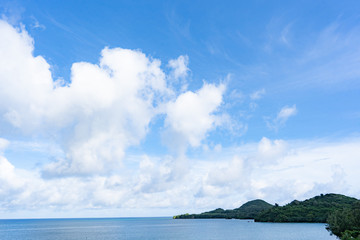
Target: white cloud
(179, 66)
(9, 181)
(270, 150)
(3, 144)
(286, 112)
(298, 174)
(282, 117)
(192, 115)
(279, 171)
(25, 80)
(107, 107)
(225, 179)
(115, 102)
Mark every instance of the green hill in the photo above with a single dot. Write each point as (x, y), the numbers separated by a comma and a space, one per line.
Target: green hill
(251, 209)
(247, 211)
(316, 209)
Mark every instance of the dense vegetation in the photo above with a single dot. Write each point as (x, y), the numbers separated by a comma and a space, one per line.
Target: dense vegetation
(316, 209)
(247, 211)
(341, 213)
(345, 223)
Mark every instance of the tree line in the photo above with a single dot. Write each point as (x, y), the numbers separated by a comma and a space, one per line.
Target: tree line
(341, 213)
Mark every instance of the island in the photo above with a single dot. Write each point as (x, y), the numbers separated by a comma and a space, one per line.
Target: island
(313, 210)
(340, 212)
(249, 210)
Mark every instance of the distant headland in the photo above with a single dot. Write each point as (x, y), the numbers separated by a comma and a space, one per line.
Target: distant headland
(340, 212)
(316, 210)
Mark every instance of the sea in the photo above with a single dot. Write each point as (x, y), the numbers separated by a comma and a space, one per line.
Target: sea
(164, 228)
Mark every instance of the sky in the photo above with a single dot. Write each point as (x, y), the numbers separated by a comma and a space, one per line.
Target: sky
(157, 108)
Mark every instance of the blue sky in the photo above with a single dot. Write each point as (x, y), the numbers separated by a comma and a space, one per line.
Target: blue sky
(139, 108)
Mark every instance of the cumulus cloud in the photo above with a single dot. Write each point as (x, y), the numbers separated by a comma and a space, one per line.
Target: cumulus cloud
(270, 150)
(227, 180)
(9, 182)
(116, 101)
(179, 66)
(106, 107)
(224, 178)
(192, 115)
(25, 80)
(282, 117)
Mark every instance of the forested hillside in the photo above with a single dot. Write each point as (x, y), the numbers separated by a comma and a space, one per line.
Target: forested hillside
(247, 211)
(316, 209)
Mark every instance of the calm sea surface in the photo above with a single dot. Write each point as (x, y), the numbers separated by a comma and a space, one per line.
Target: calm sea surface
(158, 228)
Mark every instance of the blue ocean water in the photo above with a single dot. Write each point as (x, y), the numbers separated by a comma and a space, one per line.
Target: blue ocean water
(158, 229)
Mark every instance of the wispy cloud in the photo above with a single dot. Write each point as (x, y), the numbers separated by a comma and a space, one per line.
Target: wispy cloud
(281, 118)
(334, 57)
(284, 36)
(278, 35)
(12, 11)
(330, 60)
(36, 24)
(257, 94)
(178, 25)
